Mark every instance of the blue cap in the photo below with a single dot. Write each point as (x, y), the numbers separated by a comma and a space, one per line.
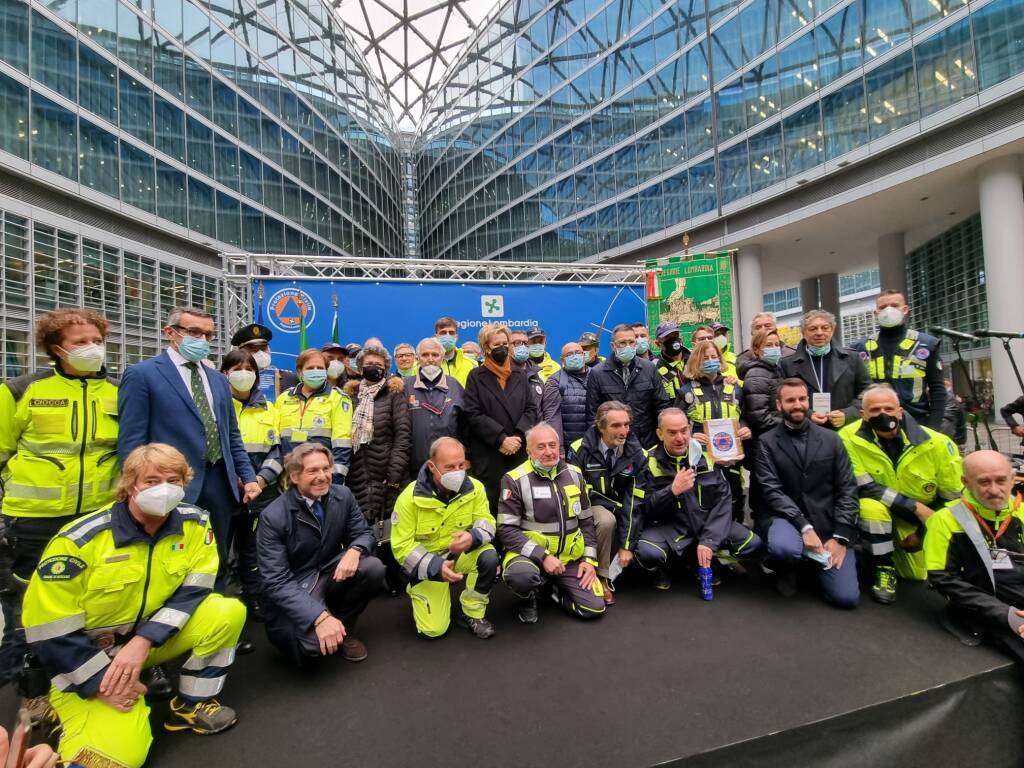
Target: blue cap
(664, 329)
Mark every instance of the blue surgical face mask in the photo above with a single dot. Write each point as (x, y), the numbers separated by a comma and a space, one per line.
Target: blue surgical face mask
(536, 350)
(314, 378)
(520, 354)
(447, 342)
(194, 350)
(712, 367)
(821, 351)
(625, 354)
(643, 345)
(771, 354)
(575, 362)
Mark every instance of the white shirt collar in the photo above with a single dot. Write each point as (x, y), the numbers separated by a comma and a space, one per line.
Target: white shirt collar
(176, 357)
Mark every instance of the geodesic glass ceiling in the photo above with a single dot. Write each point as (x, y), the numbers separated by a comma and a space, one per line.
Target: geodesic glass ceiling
(410, 44)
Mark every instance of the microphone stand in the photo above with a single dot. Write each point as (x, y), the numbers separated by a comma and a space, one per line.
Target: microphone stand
(1016, 370)
(974, 399)
(1013, 364)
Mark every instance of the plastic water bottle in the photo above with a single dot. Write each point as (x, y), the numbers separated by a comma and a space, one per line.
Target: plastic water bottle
(705, 577)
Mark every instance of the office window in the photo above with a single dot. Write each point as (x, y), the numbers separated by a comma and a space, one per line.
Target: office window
(137, 183)
(13, 117)
(54, 137)
(99, 164)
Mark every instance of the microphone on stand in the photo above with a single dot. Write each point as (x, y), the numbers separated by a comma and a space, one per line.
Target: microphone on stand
(953, 334)
(986, 333)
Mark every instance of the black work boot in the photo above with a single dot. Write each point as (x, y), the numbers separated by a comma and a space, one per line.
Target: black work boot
(528, 610)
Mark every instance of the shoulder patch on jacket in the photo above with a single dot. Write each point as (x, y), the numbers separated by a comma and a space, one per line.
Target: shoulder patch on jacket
(188, 512)
(60, 568)
(82, 531)
(19, 386)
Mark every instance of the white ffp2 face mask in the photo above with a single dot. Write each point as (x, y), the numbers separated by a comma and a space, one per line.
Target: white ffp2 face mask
(88, 357)
(261, 358)
(453, 480)
(335, 368)
(242, 381)
(159, 500)
(890, 317)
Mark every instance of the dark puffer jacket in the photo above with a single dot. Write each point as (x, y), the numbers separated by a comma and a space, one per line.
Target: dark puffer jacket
(564, 405)
(760, 389)
(379, 468)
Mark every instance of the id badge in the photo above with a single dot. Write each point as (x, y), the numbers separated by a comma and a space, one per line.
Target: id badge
(299, 436)
(1001, 560)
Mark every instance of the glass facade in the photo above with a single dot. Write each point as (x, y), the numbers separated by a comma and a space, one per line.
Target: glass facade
(571, 128)
(43, 267)
(252, 124)
(946, 282)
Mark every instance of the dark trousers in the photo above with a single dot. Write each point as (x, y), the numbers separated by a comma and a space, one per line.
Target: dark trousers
(217, 498)
(25, 538)
(838, 585)
(346, 600)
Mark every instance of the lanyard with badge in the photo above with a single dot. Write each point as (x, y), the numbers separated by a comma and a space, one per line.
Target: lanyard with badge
(1002, 559)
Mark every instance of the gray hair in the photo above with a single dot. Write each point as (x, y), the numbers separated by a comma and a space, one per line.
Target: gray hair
(293, 461)
(878, 386)
(174, 318)
(759, 315)
(601, 418)
(373, 349)
(539, 426)
(429, 340)
(440, 443)
(816, 314)
(671, 412)
(403, 345)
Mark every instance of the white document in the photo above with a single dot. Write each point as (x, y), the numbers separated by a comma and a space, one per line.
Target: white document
(821, 402)
(722, 439)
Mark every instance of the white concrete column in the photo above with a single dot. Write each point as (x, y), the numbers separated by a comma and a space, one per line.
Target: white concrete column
(1001, 194)
(750, 286)
(892, 262)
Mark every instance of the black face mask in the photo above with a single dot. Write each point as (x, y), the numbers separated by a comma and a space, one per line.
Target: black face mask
(883, 422)
(673, 347)
(499, 355)
(373, 373)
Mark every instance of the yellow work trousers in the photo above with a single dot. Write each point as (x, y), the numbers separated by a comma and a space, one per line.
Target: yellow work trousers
(96, 735)
(432, 600)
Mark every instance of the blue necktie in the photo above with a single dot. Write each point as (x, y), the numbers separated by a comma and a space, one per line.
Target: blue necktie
(318, 511)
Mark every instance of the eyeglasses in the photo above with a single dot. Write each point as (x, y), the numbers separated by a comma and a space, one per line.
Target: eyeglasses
(195, 333)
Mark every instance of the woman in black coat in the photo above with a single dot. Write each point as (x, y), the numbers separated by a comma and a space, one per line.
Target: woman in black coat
(761, 376)
(381, 438)
(500, 404)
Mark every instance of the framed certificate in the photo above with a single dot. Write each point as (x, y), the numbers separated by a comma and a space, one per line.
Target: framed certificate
(722, 439)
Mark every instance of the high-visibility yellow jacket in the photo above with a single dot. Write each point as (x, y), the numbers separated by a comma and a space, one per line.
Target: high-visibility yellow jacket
(928, 471)
(325, 417)
(58, 444)
(422, 524)
(102, 579)
(548, 367)
(458, 367)
(257, 423)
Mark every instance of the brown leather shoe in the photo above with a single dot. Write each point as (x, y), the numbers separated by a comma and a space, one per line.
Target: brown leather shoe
(352, 649)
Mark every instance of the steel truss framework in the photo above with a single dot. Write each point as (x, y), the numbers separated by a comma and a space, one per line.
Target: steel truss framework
(242, 269)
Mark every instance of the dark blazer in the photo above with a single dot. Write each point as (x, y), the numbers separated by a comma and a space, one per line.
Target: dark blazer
(295, 552)
(155, 406)
(819, 490)
(492, 414)
(638, 385)
(848, 376)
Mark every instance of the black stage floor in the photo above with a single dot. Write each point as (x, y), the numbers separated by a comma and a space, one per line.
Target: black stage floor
(663, 677)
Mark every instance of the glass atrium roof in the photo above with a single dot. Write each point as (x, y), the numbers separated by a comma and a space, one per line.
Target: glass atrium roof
(409, 44)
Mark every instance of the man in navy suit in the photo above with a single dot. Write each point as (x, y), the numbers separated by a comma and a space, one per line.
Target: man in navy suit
(175, 398)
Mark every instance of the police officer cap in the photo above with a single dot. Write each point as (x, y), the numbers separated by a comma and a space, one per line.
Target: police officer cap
(588, 339)
(664, 329)
(353, 349)
(716, 327)
(333, 346)
(250, 333)
(535, 332)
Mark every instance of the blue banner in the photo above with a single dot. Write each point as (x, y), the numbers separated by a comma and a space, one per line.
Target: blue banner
(405, 311)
